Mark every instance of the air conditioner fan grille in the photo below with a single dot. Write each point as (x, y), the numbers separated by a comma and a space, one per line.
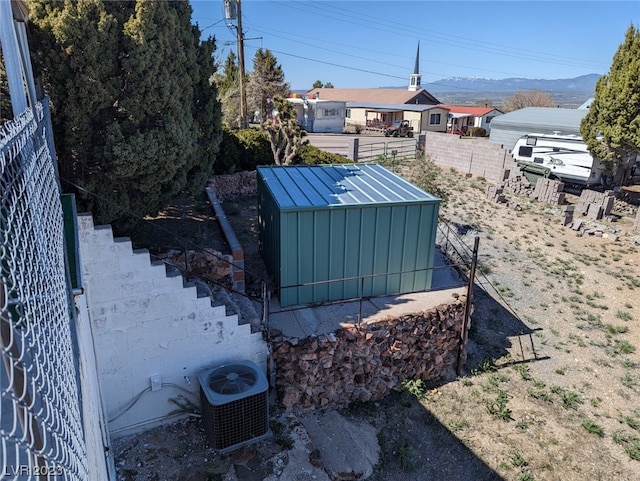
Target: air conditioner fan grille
(232, 380)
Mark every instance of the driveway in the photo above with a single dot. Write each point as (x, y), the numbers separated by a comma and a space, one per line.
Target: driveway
(339, 143)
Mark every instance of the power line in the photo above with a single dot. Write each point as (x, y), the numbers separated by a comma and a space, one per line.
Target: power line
(469, 41)
(438, 37)
(347, 67)
(322, 43)
(336, 64)
(376, 61)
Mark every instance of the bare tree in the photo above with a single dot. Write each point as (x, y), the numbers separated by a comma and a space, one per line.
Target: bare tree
(529, 98)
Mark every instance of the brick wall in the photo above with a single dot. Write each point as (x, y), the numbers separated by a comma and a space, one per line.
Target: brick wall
(145, 323)
(469, 155)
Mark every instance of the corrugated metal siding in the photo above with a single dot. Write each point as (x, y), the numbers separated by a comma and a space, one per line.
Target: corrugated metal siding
(269, 230)
(508, 128)
(322, 186)
(369, 230)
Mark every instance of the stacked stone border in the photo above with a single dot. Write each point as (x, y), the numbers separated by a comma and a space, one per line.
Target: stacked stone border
(231, 186)
(237, 253)
(367, 362)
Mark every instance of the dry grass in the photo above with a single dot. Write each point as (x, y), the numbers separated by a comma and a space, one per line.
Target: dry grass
(561, 401)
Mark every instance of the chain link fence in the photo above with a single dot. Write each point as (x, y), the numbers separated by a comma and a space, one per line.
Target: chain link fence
(41, 429)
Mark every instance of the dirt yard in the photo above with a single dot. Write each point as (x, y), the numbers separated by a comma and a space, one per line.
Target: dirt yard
(551, 389)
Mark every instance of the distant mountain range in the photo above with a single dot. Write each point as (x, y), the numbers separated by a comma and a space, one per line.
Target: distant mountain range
(584, 83)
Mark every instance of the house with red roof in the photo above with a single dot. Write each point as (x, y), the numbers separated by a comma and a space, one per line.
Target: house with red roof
(461, 118)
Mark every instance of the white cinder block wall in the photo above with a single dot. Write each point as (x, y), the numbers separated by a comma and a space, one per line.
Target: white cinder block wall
(147, 324)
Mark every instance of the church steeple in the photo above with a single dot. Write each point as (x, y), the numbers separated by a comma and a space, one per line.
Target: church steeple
(414, 79)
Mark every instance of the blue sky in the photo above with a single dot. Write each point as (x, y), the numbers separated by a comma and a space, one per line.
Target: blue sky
(363, 44)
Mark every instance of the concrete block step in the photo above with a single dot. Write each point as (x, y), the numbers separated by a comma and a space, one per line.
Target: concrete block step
(247, 310)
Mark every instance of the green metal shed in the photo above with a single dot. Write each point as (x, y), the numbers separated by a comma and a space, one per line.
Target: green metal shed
(334, 232)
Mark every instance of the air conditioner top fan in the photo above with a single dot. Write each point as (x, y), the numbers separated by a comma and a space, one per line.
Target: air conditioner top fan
(233, 379)
(230, 382)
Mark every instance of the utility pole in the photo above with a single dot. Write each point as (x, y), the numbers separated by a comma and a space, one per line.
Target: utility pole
(243, 99)
(233, 11)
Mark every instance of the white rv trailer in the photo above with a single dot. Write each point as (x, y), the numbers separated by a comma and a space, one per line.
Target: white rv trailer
(564, 157)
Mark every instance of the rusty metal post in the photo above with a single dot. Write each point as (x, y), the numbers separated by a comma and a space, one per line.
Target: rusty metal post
(467, 308)
(360, 306)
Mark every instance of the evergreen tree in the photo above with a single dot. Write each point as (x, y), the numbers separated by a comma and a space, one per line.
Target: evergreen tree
(207, 113)
(5, 103)
(266, 82)
(611, 128)
(229, 92)
(135, 114)
(318, 85)
(76, 50)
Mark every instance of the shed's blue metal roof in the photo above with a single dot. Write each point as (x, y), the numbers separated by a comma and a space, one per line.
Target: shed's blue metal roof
(321, 186)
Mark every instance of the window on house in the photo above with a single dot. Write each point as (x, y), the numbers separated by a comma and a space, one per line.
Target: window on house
(489, 119)
(331, 112)
(348, 114)
(434, 119)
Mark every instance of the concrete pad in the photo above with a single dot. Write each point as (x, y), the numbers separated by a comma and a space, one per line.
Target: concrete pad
(308, 321)
(298, 468)
(304, 321)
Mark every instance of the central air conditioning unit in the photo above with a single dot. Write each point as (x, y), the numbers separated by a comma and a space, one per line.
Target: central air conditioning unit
(234, 400)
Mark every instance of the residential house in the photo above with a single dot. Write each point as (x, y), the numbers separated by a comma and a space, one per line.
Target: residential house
(462, 118)
(322, 116)
(379, 108)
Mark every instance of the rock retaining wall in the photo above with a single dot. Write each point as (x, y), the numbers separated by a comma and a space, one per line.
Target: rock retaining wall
(230, 186)
(208, 265)
(366, 363)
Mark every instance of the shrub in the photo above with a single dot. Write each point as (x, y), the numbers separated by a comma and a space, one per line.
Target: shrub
(242, 150)
(256, 148)
(228, 159)
(477, 132)
(312, 155)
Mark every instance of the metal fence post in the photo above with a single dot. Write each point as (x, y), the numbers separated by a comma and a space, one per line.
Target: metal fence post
(354, 146)
(361, 294)
(467, 308)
